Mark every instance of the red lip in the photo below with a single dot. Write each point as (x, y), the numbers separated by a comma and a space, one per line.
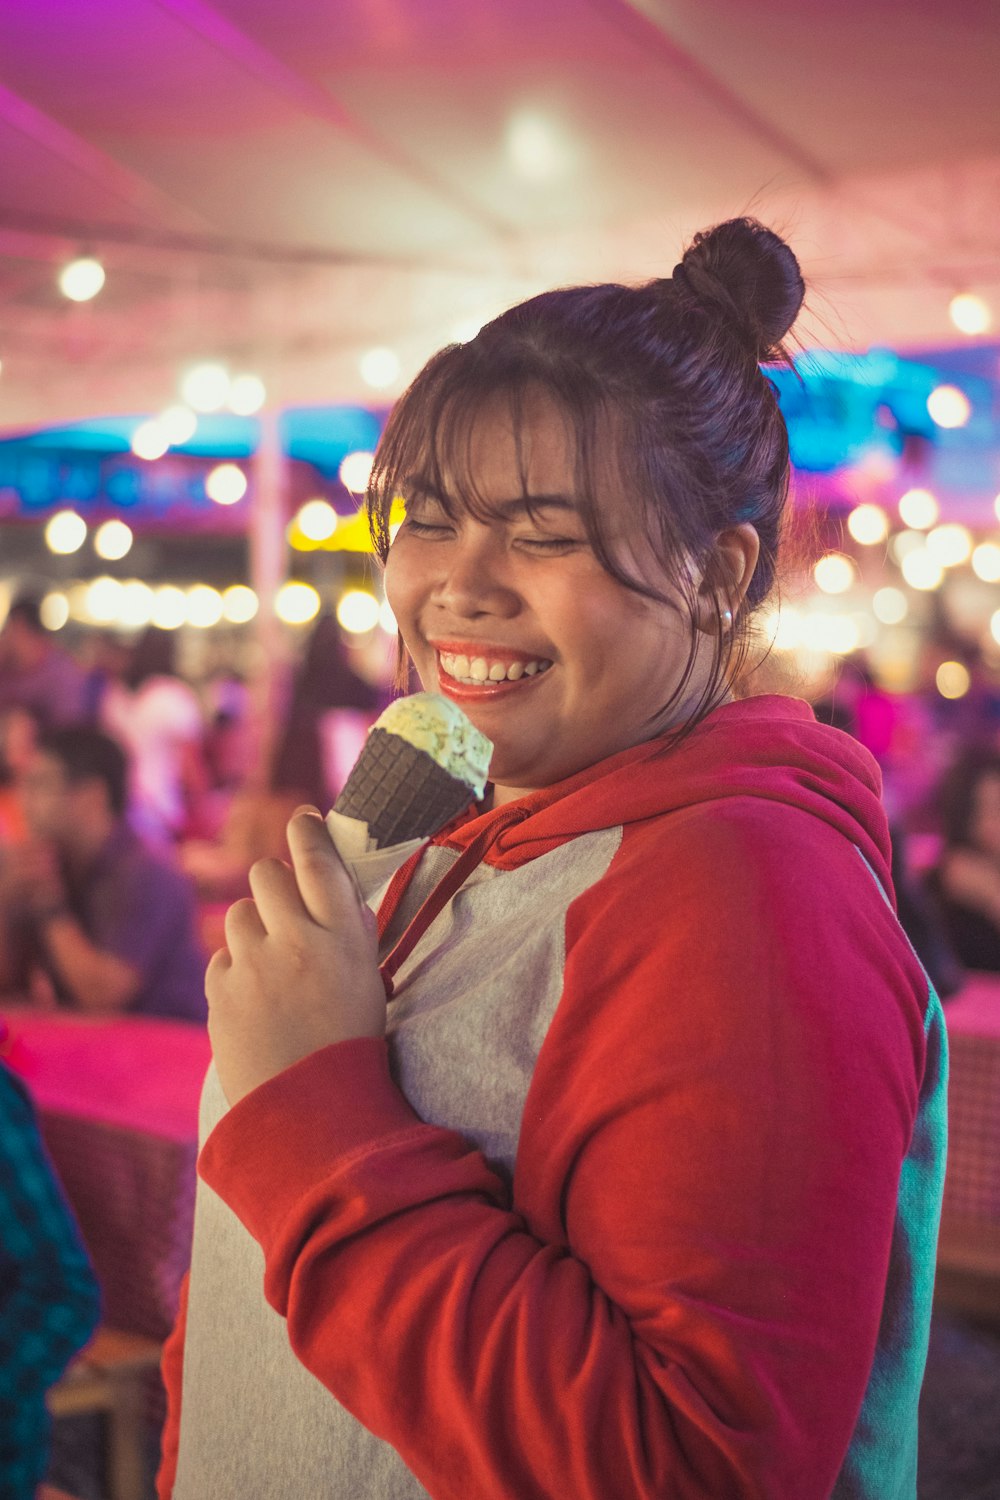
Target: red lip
(488, 650)
(484, 692)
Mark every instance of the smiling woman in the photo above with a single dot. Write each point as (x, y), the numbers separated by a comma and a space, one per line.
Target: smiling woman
(633, 1188)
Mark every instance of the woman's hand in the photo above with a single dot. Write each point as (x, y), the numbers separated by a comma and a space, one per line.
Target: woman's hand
(300, 969)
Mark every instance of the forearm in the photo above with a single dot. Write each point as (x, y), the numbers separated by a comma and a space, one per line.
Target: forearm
(97, 981)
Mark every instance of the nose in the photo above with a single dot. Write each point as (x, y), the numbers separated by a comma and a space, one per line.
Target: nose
(474, 580)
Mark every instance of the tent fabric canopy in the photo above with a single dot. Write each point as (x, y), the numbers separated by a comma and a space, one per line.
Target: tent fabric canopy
(284, 187)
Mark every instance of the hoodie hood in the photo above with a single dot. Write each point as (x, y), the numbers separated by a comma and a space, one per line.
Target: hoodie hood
(771, 747)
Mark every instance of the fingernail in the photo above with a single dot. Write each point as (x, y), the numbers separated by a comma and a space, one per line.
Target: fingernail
(308, 810)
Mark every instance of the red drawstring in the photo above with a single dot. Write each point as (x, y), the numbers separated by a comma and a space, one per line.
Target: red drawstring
(439, 896)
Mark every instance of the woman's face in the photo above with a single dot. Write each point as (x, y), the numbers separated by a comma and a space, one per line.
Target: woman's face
(516, 620)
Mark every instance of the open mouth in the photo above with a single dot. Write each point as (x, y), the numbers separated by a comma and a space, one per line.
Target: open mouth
(493, 672)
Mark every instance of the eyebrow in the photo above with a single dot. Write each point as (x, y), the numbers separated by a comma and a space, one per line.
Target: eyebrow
(518, 505)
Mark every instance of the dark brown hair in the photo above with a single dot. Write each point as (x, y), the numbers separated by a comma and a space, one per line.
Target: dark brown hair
(663, 380)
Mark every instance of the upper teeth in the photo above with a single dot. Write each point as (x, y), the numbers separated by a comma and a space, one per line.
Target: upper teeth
(471, 669)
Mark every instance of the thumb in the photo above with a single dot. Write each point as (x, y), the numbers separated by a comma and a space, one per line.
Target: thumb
(325, 884)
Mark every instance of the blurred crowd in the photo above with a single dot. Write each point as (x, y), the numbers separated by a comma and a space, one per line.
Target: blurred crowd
(133, 803)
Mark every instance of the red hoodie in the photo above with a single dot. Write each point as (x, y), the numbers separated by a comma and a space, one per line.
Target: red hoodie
(694, 1257)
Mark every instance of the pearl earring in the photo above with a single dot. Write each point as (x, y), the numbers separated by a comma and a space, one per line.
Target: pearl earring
(727, 618)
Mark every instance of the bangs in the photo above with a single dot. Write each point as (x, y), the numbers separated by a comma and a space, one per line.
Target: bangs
(428, 446)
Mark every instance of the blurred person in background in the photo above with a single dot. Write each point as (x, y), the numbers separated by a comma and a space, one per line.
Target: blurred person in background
(966, 880)
(329, 714)
(18, 732)
(49, 1299)
(331, 708)
(93, 919)
(35, 672)
(156, 715)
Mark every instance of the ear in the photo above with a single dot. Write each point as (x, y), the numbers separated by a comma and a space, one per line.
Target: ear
(729, 567)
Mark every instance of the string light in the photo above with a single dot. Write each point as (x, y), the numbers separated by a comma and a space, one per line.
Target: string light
(205, 387)
(890, 606)
(239, 604)
(247, 395)
(921, 571)
(358, 611)
(355, 472)
(226, 484)
(135, 605)
(178, 424)
(169, 607)
(81, 279)
(102, 600)
(952, 679)
(150, 441)
(970, 313)
(834, 573)
(948, 406)
(919, 509)
(868, 524)
(317, 520)
(113, 540)
(66, 532)
(296, 603)
(379, 368)
(950, 544)
(54, 610)
(204, 606)
(986, 562)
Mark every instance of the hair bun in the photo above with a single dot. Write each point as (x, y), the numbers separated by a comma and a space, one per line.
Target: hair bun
(750, 275)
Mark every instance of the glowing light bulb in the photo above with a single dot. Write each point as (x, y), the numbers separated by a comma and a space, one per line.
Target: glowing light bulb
(149, 440)
(204, 606)
(66, 532)
(919, 509)
(54, 610)
(890, 606)
(836, 635)
(81, 279)
(379, 368)
(205, 387)
(948, 406)
(169, 607)
(358, 611)
(921, 571)
(226, 484)
(239, 604)
(952, 679)
(178, 424)
(247, 395)
(950, 545)
(135, 604)
(834, 573)
(868, 524)
(788, 630)
(112, 540)
(355, 471)
(296, 603)
(102, 600)
(970, 313)
(986, 562)
(317, 520)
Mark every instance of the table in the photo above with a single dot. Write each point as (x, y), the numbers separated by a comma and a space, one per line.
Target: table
(970, 1219)
(118, 1104)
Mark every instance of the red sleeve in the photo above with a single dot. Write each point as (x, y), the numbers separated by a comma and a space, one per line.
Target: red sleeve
(683, 1296)
(171, 1369)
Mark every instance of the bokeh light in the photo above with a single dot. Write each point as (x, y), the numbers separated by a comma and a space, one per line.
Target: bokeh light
(919, 509)
(112, 540)
(169, 607)
(226, 484)
(135, 605)
(66, 532)
(921, 571)
(952, 679)
(890, 606)
(296, 603)
(868, 524)
(150, 440)
(247, 394)
(239, 604)
(355, 471)
(204, 606)
(358, 611)
(949, 406)
(81, 279)
(950, 544)
(834, 573)
(986, 562)
(205, 387)
(317, 520)
(970, 313)
(54, 610)
(178, 424)
(102, 600)
(380, 368)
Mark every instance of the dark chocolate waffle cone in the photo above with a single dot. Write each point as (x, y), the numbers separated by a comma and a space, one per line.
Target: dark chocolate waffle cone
(400, 792)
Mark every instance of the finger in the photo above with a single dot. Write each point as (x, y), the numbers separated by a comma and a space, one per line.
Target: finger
(219, 966)
(325, 886)
(276, 894)
(242, 925)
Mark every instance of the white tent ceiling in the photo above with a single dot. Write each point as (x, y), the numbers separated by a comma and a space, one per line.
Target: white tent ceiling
(285, 185)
